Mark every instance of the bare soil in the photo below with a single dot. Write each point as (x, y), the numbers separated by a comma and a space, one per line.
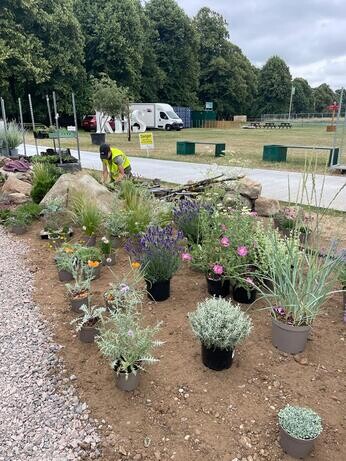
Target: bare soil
(184, 411)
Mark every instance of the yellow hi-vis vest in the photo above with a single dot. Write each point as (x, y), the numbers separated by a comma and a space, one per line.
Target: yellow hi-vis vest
(112, 166)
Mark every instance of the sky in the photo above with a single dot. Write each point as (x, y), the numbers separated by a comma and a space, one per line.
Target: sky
(310, 35)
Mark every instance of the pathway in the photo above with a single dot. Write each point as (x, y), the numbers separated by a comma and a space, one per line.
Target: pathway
(281, 185)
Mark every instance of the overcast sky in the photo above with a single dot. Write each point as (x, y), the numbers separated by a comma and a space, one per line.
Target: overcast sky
(310, 35)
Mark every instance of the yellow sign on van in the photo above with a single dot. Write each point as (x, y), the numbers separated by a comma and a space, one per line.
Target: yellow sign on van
(146, 140)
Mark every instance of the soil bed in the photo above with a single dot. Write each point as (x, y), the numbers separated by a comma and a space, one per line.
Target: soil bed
(184, 411)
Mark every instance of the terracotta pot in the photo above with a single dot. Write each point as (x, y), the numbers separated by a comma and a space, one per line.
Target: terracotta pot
(217, 359)
(87, 334)
(297, 448)
(77, 303)
(219, 288)
(159, 291)
(65, 276)
(129, 384)
(289, 338)
(243, 296)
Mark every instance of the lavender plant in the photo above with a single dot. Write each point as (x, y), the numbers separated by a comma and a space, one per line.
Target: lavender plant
(186, 216)
(158, 251)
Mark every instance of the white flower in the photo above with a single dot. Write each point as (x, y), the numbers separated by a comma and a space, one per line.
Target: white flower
(84, 228)
(109, 260)
(105, 240)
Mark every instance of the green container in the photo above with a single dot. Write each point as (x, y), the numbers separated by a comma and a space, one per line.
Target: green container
(333, 157)
(185, 148)
(274, 153)
(220, 150)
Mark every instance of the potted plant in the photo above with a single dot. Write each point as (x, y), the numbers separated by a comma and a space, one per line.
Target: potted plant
(87, 324)
(87, 215)
(217, 283)
(342, 280)
(65, 261)
(91, 259)
(157, 252)
(107, 252)
(79, 291)
(186, 217)
(292, 220)
(301, 282)
(17, 223)
(124, 294)
(115, 226)
(11, 139)
(127, 345)
(220, 326)
(299, 428)
(56, 228)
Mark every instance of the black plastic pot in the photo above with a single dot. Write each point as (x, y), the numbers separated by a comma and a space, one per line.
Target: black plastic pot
(243, 296)
(65, 276)
(98, 138)
(159, 291)
(219, 288)
(217, 359)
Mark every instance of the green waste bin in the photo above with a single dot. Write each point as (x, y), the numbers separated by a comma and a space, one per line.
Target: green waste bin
(274, 153)
(185, 148)
(220, 150)
(333, 157)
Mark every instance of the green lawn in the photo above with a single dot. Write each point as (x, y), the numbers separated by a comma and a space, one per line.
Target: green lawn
(243, 147)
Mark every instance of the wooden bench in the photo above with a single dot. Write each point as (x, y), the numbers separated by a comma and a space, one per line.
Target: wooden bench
(278, 152)
(189, 147)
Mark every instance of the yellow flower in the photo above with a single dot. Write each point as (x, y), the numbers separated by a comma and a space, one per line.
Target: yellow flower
(93, 264)
(68, 250)
(135, 265)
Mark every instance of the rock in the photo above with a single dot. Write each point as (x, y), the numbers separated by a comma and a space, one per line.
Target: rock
(301, 360)
(250, 188)
(245, 442)
(267, 206)
(16, 198)
(69, 184)
(234, 199)
(3, 160)
(14, 185)
(157, 455)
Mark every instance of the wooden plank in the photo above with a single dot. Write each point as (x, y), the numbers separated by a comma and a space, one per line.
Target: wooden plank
(308, 147)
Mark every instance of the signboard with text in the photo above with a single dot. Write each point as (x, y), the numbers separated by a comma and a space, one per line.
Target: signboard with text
(146, 140)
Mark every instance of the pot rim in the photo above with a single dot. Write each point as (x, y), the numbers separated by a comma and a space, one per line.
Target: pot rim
(297, 438)
(209, 349)
(285, 326)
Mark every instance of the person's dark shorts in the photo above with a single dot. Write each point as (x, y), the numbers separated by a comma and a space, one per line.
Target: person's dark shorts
(128, 171)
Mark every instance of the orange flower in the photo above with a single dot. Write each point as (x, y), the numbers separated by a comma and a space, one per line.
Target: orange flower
(135, 265)
(93, 264)
(68, 250)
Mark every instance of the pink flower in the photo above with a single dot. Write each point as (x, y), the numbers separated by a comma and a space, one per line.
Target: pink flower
(130, 333)
(242, 251)
(224, 242)
(253, 213)
(249, 280)
(223, 227)
(186, 257)
(218, 269)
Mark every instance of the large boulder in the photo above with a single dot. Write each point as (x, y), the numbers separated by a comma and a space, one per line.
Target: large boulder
(68, 185)
(14, 185)
(16, 198)
(233, 200)
(267, 206)
(246, 187)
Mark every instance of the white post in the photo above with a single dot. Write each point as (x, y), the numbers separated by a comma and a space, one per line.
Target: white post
(290, 108)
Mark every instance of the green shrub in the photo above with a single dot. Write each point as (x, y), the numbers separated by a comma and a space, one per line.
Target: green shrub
(30, 209)
(299, 422)
(86, 214)
(13, 135)
(44, 178)
(218, 323)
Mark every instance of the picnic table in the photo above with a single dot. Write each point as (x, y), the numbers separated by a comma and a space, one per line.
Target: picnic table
(278, 152)
(284, 125)
(189, 147)
(269, 125)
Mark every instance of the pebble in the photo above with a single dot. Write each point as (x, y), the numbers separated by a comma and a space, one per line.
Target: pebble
(36, 421)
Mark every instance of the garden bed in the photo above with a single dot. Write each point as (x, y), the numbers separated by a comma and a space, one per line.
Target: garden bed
(184, 411)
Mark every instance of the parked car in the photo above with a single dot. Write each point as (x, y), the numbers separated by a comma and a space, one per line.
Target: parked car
(89, 123)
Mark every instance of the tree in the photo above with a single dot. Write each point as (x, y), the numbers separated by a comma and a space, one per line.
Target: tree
(274, 87)
(227, 77)
(174, 43)
(323, 97)
(114, 39)
(41, 49)
(303, 100)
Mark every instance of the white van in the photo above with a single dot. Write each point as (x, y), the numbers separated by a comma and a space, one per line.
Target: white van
(156, 115)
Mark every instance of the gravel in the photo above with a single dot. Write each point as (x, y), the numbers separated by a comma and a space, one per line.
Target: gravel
(41, 416)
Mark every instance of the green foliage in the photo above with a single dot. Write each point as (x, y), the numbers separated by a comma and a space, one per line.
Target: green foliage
(303, 100)
(108, 97)
(82, 277)
(115, 222)
(17, 220)
(323, 96)
(86, 214)
(126, 293)
(274, 87)
(44, 178)
(125, 343)
(31, 210)
(12, 137)
(342, 275)
(301, 281)
(218, 323)
(4, 215)
(85, 254)
(300, 423)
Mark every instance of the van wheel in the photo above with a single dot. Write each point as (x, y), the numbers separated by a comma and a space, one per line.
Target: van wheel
(168, 127)
(136, 125)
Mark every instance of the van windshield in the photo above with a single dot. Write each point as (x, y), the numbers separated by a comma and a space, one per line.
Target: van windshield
(172, 114)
